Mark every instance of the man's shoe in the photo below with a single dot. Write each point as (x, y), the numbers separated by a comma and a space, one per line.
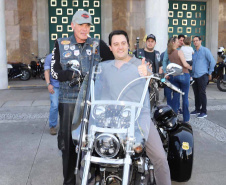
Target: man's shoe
(53, 131)
(194, 112)
(202, 115)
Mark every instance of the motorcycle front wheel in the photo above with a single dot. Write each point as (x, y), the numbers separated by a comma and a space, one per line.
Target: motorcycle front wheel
(26, 74)
(42, 75)
(221, 85)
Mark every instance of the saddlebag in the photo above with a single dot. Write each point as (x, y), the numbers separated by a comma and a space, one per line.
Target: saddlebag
(180, 152)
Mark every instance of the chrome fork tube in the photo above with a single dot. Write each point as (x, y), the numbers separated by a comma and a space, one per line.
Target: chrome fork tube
(126, 169)
(86, 168)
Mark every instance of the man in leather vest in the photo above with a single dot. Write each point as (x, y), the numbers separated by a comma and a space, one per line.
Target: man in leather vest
(152, 56)
(76, 47)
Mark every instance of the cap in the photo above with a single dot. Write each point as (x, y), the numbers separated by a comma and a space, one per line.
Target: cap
(151, 36)
(82, 17)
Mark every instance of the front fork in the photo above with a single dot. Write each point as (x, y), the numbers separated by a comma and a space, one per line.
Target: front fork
(86, 168)
(126, 170)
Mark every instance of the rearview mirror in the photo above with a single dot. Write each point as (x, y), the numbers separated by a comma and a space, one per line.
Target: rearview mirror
(174, 69)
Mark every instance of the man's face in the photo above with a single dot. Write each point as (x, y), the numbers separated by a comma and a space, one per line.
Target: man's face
(150, 44)
(81, 31)
(181, 41)
(197, 42)
(119, 47)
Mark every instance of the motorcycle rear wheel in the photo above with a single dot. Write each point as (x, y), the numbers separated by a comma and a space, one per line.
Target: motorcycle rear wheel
(26, 75)
(221, 85)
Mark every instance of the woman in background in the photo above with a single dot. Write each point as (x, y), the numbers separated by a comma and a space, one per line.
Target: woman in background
(180, 81)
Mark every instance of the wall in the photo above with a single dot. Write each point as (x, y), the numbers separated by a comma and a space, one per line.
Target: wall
(129, 15)
(21, 30)
(222, 23)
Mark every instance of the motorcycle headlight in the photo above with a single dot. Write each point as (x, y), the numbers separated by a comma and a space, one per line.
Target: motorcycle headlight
(107, 145)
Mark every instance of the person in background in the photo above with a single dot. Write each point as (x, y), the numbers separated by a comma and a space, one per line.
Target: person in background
(188, 51)
(165, 62)
(180, 81)
(53, 88)
(202, 68)
(152, 56)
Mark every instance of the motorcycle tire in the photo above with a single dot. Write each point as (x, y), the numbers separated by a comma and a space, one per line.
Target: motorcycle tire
(221, 85)
(26, 75)
(42, 75)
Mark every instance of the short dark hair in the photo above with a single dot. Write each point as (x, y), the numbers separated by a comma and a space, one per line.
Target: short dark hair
(198, 37)
(117, 32)
(179, 36)
(187, 41)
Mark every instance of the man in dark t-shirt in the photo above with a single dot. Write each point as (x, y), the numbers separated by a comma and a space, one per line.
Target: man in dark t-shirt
(152, 56)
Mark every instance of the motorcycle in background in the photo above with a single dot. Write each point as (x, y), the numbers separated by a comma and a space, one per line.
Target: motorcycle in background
(219, 73)
(18, 70)
(37, 67)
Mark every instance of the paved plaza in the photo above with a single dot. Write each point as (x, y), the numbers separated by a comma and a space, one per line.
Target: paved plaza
(29, 154)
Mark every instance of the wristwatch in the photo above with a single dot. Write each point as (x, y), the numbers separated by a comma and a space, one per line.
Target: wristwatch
(48, 84)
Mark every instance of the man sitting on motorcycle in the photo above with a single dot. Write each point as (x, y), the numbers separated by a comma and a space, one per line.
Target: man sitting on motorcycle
(119, 45)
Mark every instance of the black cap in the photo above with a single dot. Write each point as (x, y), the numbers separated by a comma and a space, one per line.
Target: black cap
(151, 36)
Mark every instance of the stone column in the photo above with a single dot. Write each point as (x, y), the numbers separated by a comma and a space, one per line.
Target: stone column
(3, 58)
(157, 22)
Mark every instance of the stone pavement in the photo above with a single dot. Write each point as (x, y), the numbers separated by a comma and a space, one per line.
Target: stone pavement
(29, 154)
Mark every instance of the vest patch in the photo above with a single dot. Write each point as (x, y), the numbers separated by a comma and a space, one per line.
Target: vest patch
(64, 42)
(88, 52)
(72, 47)
(67, 54)
(76, 52)
(66, 47)
(158, 56)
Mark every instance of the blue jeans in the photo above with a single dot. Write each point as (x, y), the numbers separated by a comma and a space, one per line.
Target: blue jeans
(53, 112)
(182, 82)
(168, 92)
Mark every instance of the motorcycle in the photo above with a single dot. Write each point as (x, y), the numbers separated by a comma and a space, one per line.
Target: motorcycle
(219, 73)
(18, 70)
(109, 139)
(37, 67)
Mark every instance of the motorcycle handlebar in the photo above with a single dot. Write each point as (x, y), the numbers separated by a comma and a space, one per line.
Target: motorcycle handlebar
(171, 86)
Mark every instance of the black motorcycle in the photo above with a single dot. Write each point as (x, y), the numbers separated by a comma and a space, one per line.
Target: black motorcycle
(107, 131)
(18, 70)
(219, 73)
(37, 67)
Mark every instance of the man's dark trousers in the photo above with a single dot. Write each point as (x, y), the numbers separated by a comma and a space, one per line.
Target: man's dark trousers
(199, 88)
(65, 143)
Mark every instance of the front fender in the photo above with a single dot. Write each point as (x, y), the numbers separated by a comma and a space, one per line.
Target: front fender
(180, 153)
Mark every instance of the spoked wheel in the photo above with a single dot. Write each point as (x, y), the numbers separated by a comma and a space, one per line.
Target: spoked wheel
(26, 74)
(221, 85)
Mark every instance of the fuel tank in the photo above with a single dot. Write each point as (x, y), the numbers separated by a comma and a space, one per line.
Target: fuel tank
(180, 152)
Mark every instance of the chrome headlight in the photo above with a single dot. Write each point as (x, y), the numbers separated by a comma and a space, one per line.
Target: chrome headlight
(107, 145)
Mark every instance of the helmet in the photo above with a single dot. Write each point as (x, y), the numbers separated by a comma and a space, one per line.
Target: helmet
(220, 52)
(165, 117)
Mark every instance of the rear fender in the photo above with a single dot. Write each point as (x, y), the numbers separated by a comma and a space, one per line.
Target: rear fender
(180, 153)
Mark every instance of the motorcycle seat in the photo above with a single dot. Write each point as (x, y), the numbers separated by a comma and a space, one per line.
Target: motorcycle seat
(13, 62)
